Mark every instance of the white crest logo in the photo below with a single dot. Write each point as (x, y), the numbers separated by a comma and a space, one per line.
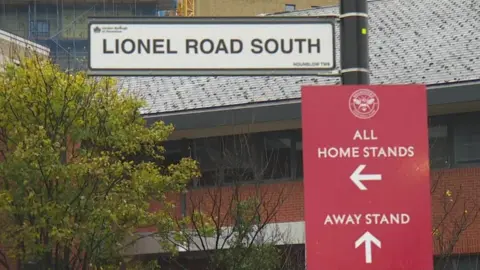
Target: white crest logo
(364, 103)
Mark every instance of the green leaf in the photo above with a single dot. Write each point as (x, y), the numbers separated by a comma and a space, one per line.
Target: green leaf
(80, 167)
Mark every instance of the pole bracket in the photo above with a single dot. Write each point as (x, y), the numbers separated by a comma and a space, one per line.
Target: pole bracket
(353, 14)
(346, 70)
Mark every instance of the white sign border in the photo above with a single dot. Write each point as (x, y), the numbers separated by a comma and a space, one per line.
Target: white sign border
(319, 71)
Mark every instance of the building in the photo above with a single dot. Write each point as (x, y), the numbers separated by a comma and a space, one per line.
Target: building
(432, 42)
(252, 8)
(13, 46)
(62, 25)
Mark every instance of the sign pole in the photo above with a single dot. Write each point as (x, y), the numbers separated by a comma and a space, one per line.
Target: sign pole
(354, 42)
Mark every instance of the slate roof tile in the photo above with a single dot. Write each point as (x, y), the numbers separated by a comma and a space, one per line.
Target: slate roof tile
(411, 41)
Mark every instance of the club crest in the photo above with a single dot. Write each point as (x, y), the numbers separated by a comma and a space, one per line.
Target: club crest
(364, 103)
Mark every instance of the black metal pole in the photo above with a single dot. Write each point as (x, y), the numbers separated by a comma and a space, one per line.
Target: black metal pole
(354, 42)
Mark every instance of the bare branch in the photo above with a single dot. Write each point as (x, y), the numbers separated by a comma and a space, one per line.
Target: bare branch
(237, 200)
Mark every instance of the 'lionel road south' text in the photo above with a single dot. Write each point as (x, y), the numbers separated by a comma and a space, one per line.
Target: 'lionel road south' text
(212, 46)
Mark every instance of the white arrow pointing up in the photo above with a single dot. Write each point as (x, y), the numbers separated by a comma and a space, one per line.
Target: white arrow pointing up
(357, 177)
(368, 239)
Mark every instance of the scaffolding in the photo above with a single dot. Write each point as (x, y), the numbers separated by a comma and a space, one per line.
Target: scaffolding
(62, 24)
(186, 8)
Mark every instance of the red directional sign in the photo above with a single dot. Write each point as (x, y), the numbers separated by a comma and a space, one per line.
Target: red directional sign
(366, 177)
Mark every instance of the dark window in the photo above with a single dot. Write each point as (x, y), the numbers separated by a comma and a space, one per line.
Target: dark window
(453, 139)
(162, 13)
(460, 262)
(173, 152)
(208, 153)
(298, 154)
(289, 7)
(145, 10)
(246, 158)
(439, 146)
(40, 28)
(467, 143)
(277, 155)
(239, 159)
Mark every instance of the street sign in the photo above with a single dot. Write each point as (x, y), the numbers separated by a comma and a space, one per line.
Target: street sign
(191, 46)
(366, 177)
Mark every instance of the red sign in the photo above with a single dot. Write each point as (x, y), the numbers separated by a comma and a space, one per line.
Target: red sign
(366, 177)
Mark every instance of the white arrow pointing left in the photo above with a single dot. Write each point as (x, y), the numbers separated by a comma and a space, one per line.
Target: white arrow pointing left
(357, 177)
(368, 239)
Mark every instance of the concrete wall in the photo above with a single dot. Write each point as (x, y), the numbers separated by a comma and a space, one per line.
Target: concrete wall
(12, 46)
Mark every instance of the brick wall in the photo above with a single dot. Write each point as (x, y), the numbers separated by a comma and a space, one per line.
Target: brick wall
(455, 205)
(453, 192)
(279, 202)
(172, 200)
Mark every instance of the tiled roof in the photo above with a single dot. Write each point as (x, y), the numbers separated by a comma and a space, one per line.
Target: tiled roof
(411, 41)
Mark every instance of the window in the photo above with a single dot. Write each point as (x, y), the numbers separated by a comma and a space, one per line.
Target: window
(298, 154)
(467, 143)
(226, 160)
(277, 155)
(289, 7)
(453, 139)
(162, 13)
(246, 158)
(174, 152)
(208, 153)
(439, 146)
(239, 159)
(40, 28)
(460, 262)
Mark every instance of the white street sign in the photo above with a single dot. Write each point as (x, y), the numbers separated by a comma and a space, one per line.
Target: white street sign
(357, 177)
(211, 46)
(367, 238)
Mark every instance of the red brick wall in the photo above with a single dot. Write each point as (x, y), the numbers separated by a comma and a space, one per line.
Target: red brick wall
(455, 207)
(456, 190)
(453, 192)
(174, 200)
(280, 202)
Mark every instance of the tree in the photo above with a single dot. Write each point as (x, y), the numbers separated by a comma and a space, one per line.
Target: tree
(458, 212)
(230, 211)
(78, 168)
(455, 210)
